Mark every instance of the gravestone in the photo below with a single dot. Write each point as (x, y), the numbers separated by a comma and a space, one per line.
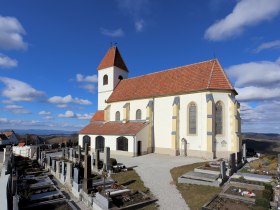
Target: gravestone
(232, 164)
(71, 154)
(79, 154)
(77, 175)
(238, 158)
(96, 158)
(223, 170)
(63, 152)
(278, 165)
(53, 165)
(69, 172)
(107, 159)
(244, 155)
(87, 170)
(57, 169)
(49, 162)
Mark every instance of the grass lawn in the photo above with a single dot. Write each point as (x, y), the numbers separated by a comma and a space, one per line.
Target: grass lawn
(133, 181)
(195, 195)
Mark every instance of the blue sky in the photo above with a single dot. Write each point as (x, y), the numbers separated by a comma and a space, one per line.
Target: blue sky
(49, 52)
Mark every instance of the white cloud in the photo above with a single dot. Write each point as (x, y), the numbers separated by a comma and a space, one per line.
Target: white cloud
(136, 9)
(71, 114)
(268, 45)
(68, 114)
(16, 90)
(16, 109)
(89, 78)
(89, 87)
(263, 117)
(11, 32)
(48, 117)
(139, 24)
(44, 113)
(245, 13)
(259, 73)
(63, 101)
(6, 62)
(252, 93)
(112, 33)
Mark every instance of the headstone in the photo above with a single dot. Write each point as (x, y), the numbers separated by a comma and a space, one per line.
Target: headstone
(49, 161)
(232, 163)
(69, 173)
(92, 161)
(79, 154)
(238, 158)
(223, 170)
(87, 172)
(278, 165)
(38, 153)
(77, 175)
(107, 159)
(53, 165)
(63, 152)
(71, 154)
(96, 158)
(57, 169)
(244, 153)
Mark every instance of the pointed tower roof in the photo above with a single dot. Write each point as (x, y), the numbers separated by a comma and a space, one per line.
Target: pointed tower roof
(112, 58)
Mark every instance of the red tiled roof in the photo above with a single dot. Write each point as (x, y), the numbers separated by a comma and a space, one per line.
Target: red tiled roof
(113, 128)
(98, 116)
(205, 75)
(112, 58)
(7, 133)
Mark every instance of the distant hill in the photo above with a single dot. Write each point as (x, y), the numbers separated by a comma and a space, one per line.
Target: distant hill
(262, 136)
(45, 132)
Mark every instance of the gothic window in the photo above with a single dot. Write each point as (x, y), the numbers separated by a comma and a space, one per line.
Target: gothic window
(117, 117)
(99, 143)
(122, 143)
(86, 139)
(105, 79)
(138, 114)
(192, 118)
(219, 118)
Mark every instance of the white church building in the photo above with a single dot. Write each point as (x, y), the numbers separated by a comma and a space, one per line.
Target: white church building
(188, 110)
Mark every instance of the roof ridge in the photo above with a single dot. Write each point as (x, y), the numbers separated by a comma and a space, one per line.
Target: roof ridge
(170, 69)
(211, 74)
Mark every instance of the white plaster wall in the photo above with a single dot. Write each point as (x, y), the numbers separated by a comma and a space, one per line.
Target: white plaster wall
(104, 91)
(143, 137)
(225, 99)
(134, 105)
(163, 121)
(196, 141)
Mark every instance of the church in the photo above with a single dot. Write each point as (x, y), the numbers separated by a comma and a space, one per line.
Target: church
(189, 110)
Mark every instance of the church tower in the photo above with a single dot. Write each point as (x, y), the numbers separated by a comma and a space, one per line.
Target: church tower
(111, 71)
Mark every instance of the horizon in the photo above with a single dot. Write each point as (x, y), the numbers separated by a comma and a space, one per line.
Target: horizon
(49, 52)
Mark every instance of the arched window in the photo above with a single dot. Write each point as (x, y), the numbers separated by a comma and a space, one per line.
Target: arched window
(219, 118)
(192, 118)
(120, 77)
(122, 143)
(138, 114)
(105, 79)
(117, 117)
(99, 143)
(86, 139)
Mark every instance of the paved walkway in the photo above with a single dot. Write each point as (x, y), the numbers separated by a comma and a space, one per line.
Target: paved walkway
(154, 170)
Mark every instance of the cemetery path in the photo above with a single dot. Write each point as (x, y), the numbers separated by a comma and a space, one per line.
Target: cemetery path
(154, 170)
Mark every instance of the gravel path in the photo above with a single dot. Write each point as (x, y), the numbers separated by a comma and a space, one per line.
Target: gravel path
(154, 170)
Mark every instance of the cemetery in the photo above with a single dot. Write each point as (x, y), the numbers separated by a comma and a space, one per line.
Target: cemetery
(87, 177)
(242, 184)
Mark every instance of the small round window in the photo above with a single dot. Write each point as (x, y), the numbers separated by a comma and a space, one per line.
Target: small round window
(120, 77)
